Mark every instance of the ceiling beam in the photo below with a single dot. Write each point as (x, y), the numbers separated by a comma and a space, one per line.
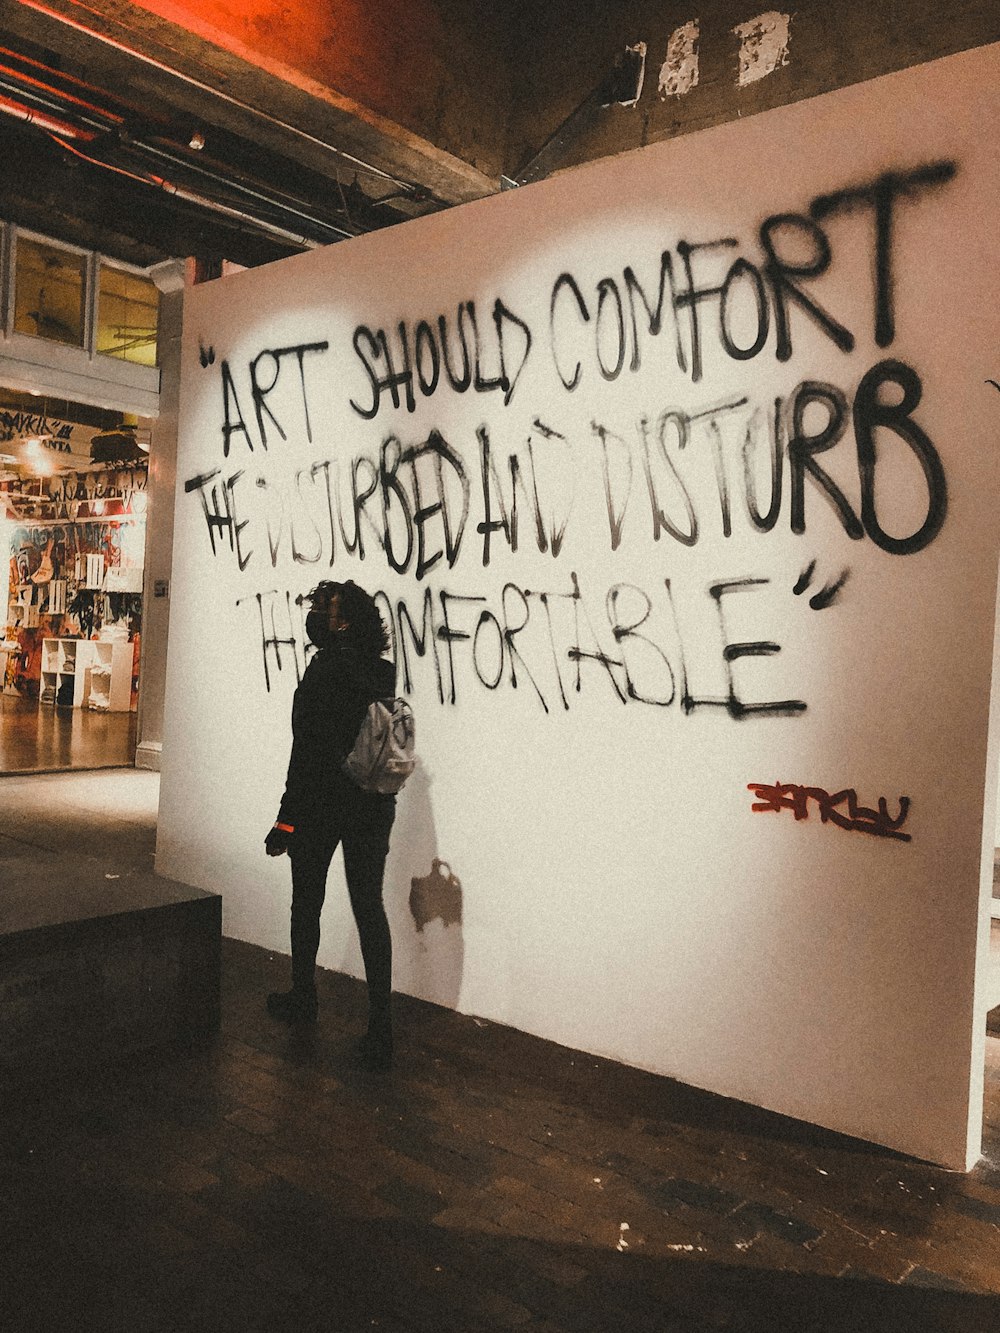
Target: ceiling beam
(280, 106)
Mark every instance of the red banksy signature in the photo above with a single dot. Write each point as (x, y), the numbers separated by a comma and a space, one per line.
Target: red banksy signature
(788, 796)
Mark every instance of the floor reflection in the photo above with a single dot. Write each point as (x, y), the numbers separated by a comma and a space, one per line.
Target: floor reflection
(41, 738)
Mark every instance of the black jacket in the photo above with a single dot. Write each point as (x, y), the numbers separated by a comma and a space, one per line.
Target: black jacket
(327, 710)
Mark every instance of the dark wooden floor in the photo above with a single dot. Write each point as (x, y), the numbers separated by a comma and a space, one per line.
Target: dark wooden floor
(493, 1181)
(40, 738)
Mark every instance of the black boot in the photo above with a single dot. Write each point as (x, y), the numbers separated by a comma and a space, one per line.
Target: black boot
(293, 1006)
(297, 1005)
(374, 1050)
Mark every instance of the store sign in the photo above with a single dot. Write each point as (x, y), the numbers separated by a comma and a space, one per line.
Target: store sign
(15, 425)
(675, 479)
(27, 437)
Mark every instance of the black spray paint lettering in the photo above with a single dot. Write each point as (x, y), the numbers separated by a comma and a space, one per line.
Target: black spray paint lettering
(554, 645)
(803, 448)
(827, 595)
(672, 422)
(263, 373)
(627, 637)
(870, 413)
(693, 296)
(739, 299)
(557, 522)
(414, 503)
(218, 506)
(732, 652)
(614, 445)
(310, 512)
(523, 639)
(291, 636)
(490, 362)
(664, 444)
(496, 503)
(881, 196)
(497, 648)
(403, 632)
(308, 519)
(783, 272)
(706, 287)
(764, 522)
(395, 503)
(444, 459)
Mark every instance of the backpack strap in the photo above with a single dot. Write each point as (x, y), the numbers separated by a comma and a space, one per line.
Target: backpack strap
(385, 739)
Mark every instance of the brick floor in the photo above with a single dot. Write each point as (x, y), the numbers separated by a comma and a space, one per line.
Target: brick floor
(492, 1181)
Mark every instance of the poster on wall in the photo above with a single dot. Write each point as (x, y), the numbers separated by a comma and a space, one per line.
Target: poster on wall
(675, 477)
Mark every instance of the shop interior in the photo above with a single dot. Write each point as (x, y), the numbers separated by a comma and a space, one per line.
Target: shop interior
(72, 535)
(73, 480)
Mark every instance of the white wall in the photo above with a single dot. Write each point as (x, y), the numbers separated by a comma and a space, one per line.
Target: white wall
(619, 892)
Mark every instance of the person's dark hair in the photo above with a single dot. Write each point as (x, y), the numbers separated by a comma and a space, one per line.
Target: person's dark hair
(366, 631)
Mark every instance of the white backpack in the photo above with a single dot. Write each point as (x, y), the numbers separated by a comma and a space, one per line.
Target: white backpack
(383, 755)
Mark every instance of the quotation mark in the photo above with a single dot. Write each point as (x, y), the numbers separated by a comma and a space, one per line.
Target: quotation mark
(205, 355)
(819, 601)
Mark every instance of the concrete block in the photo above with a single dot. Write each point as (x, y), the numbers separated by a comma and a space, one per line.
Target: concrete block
(94, 966)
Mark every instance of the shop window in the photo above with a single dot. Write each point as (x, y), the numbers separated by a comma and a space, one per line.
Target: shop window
(127, 310)
(49, 285)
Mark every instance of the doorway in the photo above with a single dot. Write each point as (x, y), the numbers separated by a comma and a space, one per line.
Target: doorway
(72, 539)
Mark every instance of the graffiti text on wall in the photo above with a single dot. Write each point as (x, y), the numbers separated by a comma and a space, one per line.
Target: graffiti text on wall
(841, 808)
(673, 471)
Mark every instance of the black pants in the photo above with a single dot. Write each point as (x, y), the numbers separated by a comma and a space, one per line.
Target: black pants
(362, 828)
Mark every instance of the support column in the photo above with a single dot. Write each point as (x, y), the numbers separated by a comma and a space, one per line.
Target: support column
(170, 279)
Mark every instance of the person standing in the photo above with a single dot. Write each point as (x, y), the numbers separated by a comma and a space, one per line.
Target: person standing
(322, 808)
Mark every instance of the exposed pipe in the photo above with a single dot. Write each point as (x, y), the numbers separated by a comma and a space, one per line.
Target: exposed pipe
(244, 107)
(277, 200)
(51, 102)
(191, 196)
(52, 98)
(28, 84)
(51, 124)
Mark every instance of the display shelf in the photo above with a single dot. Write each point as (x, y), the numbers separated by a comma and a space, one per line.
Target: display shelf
(60, 682)
(108, 677)
(87, 673)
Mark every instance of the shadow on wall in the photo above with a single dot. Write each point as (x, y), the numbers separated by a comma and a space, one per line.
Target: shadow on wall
(428, 949)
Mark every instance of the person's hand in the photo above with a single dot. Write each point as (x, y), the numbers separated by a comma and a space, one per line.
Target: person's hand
(276, 842)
